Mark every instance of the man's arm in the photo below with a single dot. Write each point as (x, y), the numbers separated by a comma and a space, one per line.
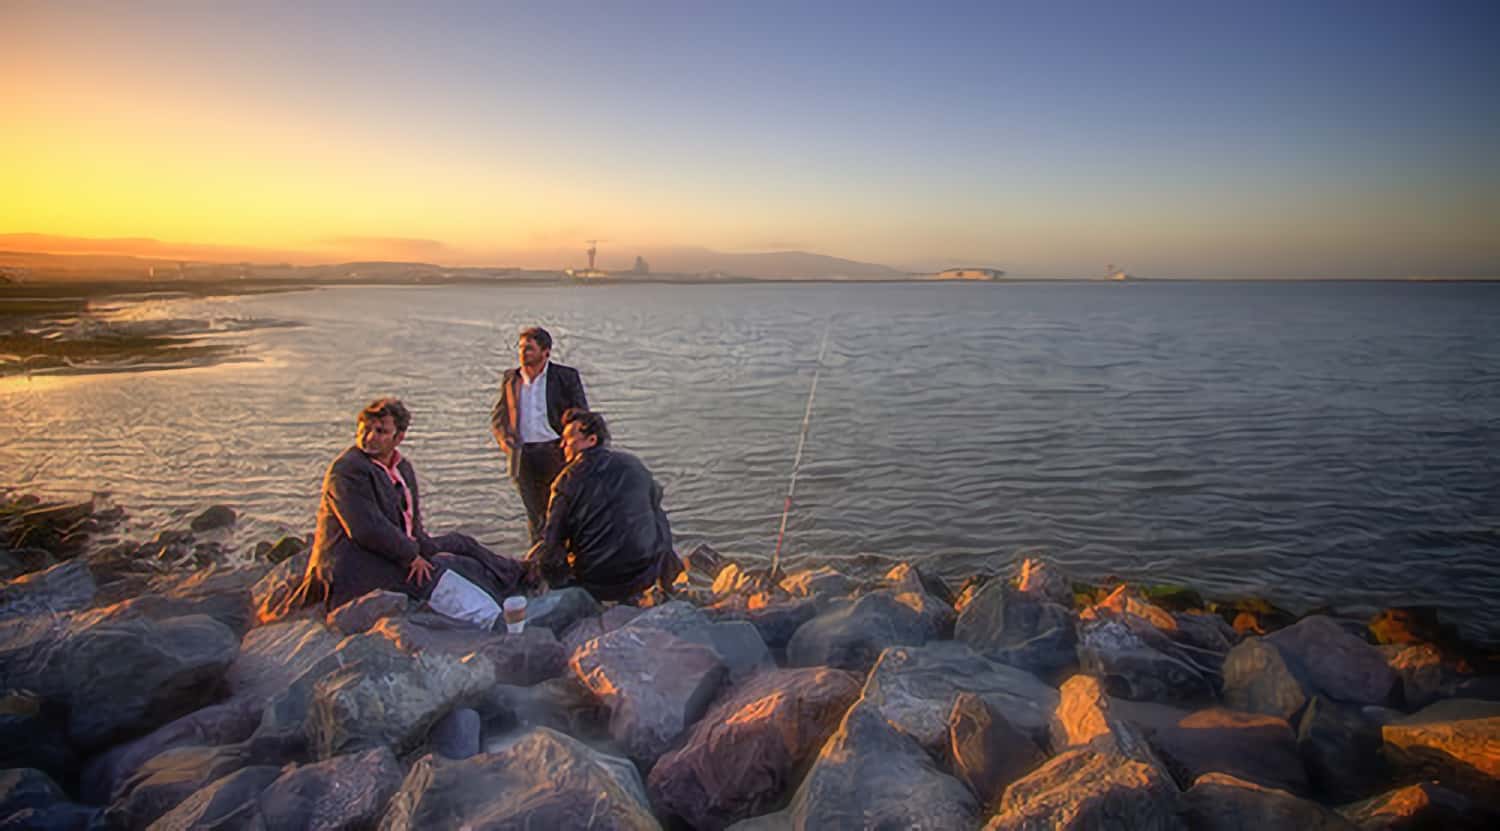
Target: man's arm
(576, 396)
(351, 495)
(500, 417)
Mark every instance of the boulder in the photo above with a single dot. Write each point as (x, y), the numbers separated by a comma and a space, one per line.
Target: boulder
(1425, 805)
(905, 577)
(775, 619)
(167, 779)
(1422, 673)
(361, 613)
(542, 780)
(214, 518)
(34, 734)
(872, 775)
(529, 657)
(986, 751)
(1130, 668)
(1019, 629)
(284, 549)
(1251, 746)
(225, 723)
(562, 704)
(852, 637)
(1220, 802)
(345, 792)
(391, 699)
(559, 609)
(31, 800)
(226, 804)
(737, 643)
(1085, 789)
(456, 735)
(63, 587)
(1341, 749)
(654, 684)
(1456, 742)
(31, 653)
(589, 628)
(129, 677)
(273, 593)
(1258, 679)
(219, 592)
(272, 657)
(822, 584)
(740, 759)
(1335, 662)
(1044, 581)
(914, 689)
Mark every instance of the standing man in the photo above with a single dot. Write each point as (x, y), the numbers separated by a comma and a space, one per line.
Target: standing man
(527, 420)
(606, 530)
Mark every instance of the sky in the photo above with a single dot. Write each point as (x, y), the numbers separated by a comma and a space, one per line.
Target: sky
(1176, 139)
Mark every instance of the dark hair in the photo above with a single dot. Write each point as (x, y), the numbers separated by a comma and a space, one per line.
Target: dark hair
(387, 406)
(589, 423)
(538, 336)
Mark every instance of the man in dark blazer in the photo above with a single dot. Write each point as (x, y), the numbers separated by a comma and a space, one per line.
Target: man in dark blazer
(369, 533)
(527, 420)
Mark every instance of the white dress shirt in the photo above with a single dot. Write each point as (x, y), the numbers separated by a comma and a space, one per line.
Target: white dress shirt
(532, 409)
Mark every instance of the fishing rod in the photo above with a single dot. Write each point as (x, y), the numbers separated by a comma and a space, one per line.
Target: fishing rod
(791, 488)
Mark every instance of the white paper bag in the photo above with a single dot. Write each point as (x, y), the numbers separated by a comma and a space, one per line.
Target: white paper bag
(458, 598)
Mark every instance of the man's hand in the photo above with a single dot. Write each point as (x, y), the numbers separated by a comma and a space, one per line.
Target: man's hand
(500, 440)
(420, 572)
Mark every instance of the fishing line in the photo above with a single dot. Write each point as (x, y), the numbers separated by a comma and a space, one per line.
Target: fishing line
(791, 489)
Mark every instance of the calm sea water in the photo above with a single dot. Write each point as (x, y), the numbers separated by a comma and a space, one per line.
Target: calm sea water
(1314, 443)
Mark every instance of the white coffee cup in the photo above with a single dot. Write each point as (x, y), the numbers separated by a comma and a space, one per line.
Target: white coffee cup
(514, 610)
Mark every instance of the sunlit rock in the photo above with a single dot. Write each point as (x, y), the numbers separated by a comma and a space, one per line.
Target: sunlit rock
(217, 724)
(544, 780)
(1258, 679)
(654, 684)
(273, 593)
(1425, 805)
(63, 587)
(230, 802)
(987, 752)
(168, 778)
(1085, 717)
(739, 759)
(1085, 789)
(1456, 742)
(1019, 629)
(1423, 673)
(1250, 746)
(272, 657)
(776, 618)
(361, 613)
(853, 637)
(219, 592)
(527, 657)
(345, 792)
(1045, 581)
(822, 584)
(1132, 668)
(1220, 802)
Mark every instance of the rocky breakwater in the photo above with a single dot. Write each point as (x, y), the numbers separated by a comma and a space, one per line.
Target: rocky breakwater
(138, 697)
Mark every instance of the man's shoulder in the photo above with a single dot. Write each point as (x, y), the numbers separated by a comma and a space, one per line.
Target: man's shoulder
(350, 462)
(562, 369)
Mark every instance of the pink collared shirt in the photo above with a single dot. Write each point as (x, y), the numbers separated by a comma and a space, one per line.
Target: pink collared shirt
(393, 470)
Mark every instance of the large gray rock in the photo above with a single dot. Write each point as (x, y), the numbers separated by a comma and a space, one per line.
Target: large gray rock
(227, 804)
(654, 684)
(34, 734)
(987, 752)
(1043, 580)
(1220, 802)
(542, 780)
(1085, 717)
(1250, 746)
(1132, 668)
(1456, 742)
(63, 587)
(852, 637)
(31, 653)
(286, 716)
(219, 592)
(456, 735)
(589, 628)
(1085, 789)
(164, 781)
(391, 699)
(225, 723)
(929, 595)
(1019, 628)
(272, 594)
(1424, 805)
(361, 613)
(914, 688)
(532, 656)
(1334, 662)
(777, 620)
(344, 793)
(272, 657)
(1341, 749)
(129, 677)
(872, 775)
(562, 704)
(822, 584)
(1423, 673)
(559, 609)
(741, 757)
(1258, 679)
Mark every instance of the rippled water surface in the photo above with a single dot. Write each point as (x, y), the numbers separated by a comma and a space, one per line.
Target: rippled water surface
(1315, 443)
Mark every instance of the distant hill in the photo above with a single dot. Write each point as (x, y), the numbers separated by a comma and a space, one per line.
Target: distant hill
(774, 265)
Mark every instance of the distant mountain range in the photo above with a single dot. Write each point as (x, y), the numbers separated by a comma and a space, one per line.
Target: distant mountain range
(58, 256)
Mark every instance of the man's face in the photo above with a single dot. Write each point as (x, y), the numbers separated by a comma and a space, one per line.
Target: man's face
(378, 437)
(575, 441)
(532, 356)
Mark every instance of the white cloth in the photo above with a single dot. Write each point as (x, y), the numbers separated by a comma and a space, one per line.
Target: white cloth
(458, 598)
(532, 409)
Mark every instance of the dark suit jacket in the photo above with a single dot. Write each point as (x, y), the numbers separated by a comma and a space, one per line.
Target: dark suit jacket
(564, 391)
(361, 543)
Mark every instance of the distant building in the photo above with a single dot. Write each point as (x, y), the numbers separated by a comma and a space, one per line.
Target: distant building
(969, 274)
(640, 266)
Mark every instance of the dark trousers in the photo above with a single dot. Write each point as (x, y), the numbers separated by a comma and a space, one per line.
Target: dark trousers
(499, 576)
(539, 464)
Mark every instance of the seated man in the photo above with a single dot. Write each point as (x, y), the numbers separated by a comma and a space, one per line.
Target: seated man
(370, 535)
(605, 528)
